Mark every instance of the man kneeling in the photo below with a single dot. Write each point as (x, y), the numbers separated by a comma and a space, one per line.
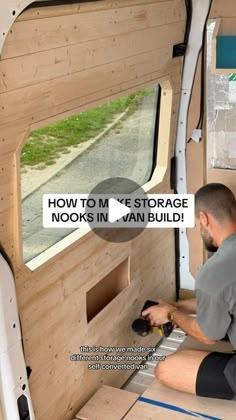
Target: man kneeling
(209, 374)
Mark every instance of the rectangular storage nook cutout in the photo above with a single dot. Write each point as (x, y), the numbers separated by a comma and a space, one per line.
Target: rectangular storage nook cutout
(107, 289)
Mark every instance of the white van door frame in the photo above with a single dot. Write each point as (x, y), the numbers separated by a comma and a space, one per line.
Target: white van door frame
(13, 374)
(200, 10)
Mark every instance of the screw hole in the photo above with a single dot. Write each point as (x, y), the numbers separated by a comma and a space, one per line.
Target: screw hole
(11, 300)
(14, 326)
(23, 387)
(14, 12)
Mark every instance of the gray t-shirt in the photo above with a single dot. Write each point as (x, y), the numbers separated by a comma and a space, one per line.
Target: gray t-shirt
(216, 293)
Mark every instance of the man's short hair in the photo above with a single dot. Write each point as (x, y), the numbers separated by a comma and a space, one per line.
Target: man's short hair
(218, 200)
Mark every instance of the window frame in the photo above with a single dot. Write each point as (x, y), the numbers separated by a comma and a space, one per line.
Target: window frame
(159, 167)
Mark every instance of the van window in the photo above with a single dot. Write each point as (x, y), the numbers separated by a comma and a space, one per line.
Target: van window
(116, 139)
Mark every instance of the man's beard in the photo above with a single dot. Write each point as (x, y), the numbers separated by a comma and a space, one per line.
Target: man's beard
(207, 240)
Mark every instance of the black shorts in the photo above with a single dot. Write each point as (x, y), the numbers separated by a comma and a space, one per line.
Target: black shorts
(216, 377)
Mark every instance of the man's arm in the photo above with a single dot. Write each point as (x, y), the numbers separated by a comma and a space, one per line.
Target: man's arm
(190, 326)
(188, 306)
(158, 315)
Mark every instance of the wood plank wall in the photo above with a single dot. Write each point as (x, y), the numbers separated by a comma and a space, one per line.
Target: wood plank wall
(57, 61)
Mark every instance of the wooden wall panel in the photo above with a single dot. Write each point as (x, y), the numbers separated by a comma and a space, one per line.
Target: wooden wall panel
(53, 32)
(63, 61)
(51, 67)
(144, 278)
(222, 8)
(224, 176)
(45, 12)
(34, 99)
(108, 402)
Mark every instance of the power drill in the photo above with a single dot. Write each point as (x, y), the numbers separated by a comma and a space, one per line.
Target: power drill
(141, 326)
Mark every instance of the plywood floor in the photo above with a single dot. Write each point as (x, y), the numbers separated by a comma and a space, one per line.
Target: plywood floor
(145, 399)
(158, 401)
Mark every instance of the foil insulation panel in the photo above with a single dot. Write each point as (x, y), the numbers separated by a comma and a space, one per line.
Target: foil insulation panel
(221, 113)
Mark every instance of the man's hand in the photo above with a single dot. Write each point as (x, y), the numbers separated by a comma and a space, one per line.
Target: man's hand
(157, 314)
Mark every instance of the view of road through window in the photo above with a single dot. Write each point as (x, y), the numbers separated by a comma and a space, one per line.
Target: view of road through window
(74, 155)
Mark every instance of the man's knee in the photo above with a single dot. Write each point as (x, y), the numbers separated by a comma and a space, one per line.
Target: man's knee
(166, 370)
(163, 371)
(187, 363)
